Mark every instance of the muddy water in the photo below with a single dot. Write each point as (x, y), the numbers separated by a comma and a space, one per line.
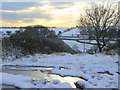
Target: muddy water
(39, 73)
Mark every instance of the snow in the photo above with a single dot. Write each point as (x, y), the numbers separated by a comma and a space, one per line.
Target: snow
(55, 81)
(58, 29)
(71, 32)
(20, 69)
(13, 30)
(85, 66)
(42, 81)
(78, 46)
(84, 84)
(9, 29)
(17, 80)
(27, 82)
(54, 84)
(60, 85)
(4, 34)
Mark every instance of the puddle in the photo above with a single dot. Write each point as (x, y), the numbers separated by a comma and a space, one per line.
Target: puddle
(8, 86)
(106, 73)
(62, 68)
(26, 68)
(41, 75)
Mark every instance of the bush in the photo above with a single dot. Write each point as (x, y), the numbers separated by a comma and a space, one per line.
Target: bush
(33, 39)
(111, 48)
(111, 52)
(37, 32)
(92, 50)
(36, 39)
(9, 49)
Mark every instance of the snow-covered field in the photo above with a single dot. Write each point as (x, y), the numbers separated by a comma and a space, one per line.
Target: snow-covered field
(13, 30)
(9, 29)
(78, 46)
(58, 29)
(98, 71)
(27, 82)
(71, 32)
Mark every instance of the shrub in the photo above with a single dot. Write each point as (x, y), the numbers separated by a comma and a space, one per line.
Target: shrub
(111, 48)
(9, 49)
(33, 39)
(37, 32)
(92, 50)
(36, 39)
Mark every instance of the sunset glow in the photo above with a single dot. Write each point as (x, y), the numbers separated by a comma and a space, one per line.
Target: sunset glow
(57, 14)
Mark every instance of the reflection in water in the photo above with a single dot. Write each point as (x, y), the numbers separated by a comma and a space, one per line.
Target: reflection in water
(39, 75)
(8, 86)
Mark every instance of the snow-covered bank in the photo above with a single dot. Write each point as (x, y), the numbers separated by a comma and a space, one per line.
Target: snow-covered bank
(58, 29)
(72, 32)
(78, 46)
(91, 67)
(17, 80)
(21, 81)
(13, 30)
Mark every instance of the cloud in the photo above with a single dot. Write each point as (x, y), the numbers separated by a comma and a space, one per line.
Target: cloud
(19, 12)
(61, 5)
(19, 16)
(69, 13)
(28, 20)
(45, 13)
(17, 5)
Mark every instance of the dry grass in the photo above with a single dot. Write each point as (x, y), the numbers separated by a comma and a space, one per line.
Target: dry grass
(111, 52)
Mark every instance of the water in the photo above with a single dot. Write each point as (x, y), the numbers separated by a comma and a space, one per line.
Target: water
(8, 86)
(36, 73)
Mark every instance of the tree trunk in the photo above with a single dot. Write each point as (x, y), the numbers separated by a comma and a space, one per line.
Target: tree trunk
(100, 49)
(99, 46)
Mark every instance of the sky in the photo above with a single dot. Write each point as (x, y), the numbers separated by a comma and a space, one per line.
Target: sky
(46, 13)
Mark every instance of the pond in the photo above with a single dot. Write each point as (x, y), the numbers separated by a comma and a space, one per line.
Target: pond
(39, 73)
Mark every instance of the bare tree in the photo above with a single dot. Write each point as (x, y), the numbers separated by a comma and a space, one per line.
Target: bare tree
(97, 21)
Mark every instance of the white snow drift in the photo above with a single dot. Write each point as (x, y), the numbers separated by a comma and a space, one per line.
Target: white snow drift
(92, 68)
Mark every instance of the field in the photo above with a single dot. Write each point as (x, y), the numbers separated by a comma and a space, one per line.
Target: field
(95, 71)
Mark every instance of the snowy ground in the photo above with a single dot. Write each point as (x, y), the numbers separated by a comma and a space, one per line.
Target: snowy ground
(71, 32)
(58, 29)
(13, 30)
(3, 30)
(99, 71)
(78, 46)
(21, 81)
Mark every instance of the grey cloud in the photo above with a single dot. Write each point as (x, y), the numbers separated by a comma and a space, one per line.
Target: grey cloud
(35, 14)
(19, 16)
(17, 5)
(21, 6)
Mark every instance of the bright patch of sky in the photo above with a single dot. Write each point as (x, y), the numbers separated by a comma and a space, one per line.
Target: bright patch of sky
(47, 13)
